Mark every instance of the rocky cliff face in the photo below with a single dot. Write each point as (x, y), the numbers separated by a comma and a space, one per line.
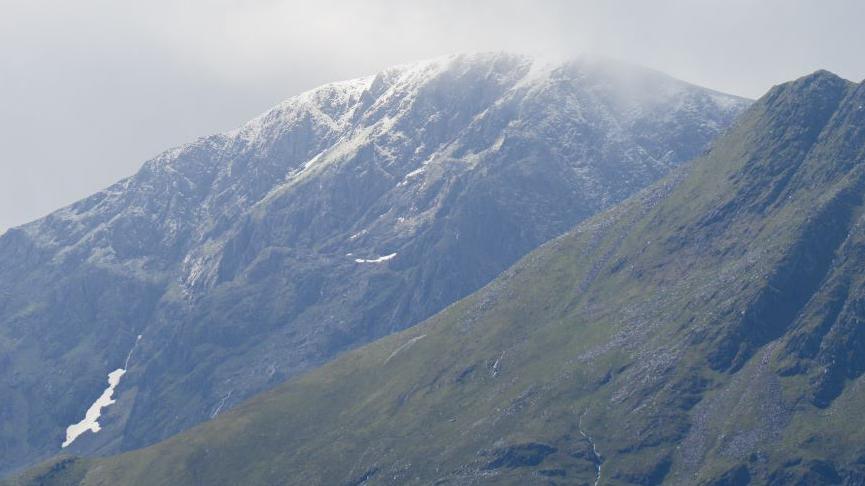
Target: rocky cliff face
(345, 213)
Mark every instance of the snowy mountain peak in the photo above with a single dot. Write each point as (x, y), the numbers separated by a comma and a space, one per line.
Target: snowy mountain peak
(342, 214)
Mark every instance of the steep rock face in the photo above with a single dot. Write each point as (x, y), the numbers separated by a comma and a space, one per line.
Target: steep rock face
(343, 214)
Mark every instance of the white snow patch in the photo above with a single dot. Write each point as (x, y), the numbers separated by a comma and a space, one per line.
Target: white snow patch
(417, 171)
(129, 356)
(404, 346)
(221, 404)
(91, 418)
(375, 260)
(725, 101)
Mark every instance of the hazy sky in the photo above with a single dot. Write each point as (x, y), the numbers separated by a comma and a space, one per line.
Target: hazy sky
(90, 89)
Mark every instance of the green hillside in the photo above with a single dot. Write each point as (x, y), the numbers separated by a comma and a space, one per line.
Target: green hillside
(710, 329)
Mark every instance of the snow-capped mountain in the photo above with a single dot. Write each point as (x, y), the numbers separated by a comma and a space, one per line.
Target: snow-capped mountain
(341, 215)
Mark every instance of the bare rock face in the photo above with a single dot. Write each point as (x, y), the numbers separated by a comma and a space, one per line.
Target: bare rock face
(341, 215)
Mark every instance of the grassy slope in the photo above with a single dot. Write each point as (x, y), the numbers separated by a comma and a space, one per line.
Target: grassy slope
(663, 333)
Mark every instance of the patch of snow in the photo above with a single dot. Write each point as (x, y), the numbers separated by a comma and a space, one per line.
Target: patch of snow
(416, 172)
(726, 102)
(91, 417)
(221, 404)
(310, 104)
(375, 260)
(404, 346)
(495, 369)
(129, 356)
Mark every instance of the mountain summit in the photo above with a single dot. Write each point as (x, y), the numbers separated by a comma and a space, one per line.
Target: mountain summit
(225, 266)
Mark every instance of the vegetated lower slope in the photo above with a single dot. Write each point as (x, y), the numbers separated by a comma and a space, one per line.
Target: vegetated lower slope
(706, 331)
(343, 214)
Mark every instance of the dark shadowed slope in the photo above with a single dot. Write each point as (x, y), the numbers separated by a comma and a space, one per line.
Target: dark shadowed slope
(344, 214)
(708, 330)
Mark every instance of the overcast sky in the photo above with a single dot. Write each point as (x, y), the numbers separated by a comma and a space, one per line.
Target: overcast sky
(90, 89)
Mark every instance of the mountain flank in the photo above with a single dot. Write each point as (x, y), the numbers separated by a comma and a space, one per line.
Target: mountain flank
(707, 330)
